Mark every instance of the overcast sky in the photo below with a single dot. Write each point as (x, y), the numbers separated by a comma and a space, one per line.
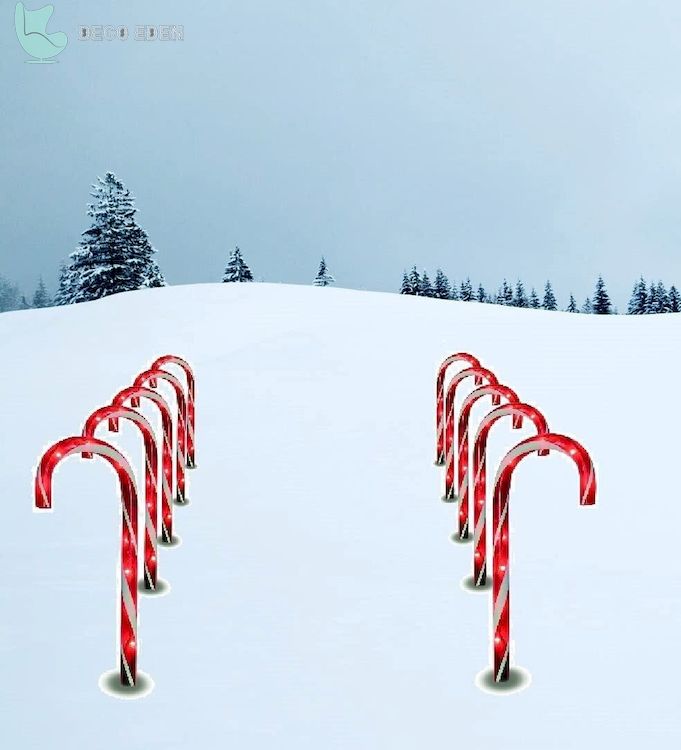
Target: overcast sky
(534, 139)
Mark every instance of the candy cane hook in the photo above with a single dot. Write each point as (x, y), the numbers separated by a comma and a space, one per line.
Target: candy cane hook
(479, 373)
(113, 413)
(517, 411)
(501, 623)
(440, 400)
(128, 570)
(149, 376)
(165, 470)
(496, 391)
(191, 419)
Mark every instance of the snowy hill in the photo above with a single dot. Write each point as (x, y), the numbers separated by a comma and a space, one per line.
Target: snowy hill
(315, 600)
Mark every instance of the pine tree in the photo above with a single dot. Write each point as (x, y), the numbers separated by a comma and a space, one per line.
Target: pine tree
(441, 287)
(549, 302)
(41, 298)
(426, 287)
(534, 300)
(651, 300)
(587, 307)
(466, 291)
(236, 269)
(115, 254)
(323, 277)
(414, 281)
(674, 299)
(572, 306)
(663, 304)
(481, 294)
(23, 303)
(454, 291)
(65, 286)
(638, 304)
(406, 286)
(520, 298)
(9, 296)
(601, 303)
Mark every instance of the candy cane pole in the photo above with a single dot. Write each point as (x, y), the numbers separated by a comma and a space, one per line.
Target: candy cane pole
(498, 391)
(470, 360)
(171, 359)
(146, 378)
(517, 411)
(479, 373)
(112, 413)
(128, 570)
(165, 471)
(501, 622)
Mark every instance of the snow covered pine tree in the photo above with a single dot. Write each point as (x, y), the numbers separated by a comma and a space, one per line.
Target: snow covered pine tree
(236, 269)
(41, 298)
(115, 254)
(324, 278)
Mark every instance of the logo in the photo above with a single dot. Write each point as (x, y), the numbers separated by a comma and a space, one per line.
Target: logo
(31, 28)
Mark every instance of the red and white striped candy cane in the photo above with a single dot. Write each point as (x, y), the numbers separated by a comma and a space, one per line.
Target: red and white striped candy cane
(146, 378)
(168, 359)
(497, 392)
(480, 374)
(128, 641)
(112, 413)
(517, 411)
(470, 360)
(501, 619)
(165, 471)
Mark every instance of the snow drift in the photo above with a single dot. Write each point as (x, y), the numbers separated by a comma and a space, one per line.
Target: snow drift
(316, 599)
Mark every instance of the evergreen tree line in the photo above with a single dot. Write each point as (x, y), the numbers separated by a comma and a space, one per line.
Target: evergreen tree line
(653, 298)
(646, 298)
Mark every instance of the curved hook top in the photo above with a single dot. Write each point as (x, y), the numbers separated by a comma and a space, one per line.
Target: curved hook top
(458, 357)
(477, 372)
(152, 374)
(492, 389)
(175, 360)
(135, 392)
(67, 447)
(117, 411)
(550, 441)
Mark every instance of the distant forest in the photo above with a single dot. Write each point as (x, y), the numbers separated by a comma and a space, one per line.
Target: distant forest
(646, 298)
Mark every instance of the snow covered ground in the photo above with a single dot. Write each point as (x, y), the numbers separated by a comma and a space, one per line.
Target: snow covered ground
(316, 599)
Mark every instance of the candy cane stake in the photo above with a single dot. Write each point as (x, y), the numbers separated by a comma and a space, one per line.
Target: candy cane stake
(440, 400)
(150, 471)
(165, 470)
(479, 373)
(128, 571)
(517, 411)
(191, 419)
(146, 378)
(500, 391)
(501, 624)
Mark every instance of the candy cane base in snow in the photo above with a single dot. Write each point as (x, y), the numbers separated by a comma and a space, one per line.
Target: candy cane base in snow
(501, 614)
(128, 638)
